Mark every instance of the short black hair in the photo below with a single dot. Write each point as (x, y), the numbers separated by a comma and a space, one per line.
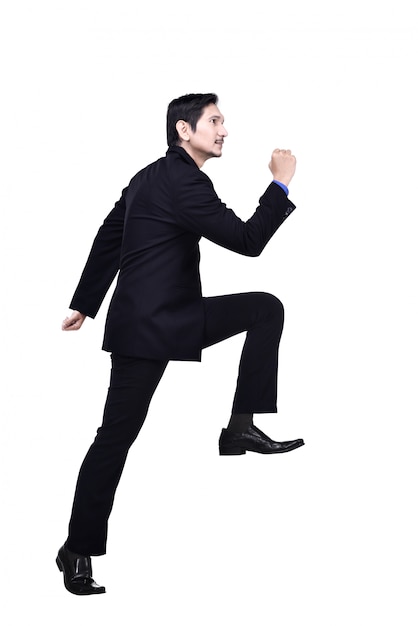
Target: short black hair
(188, 108)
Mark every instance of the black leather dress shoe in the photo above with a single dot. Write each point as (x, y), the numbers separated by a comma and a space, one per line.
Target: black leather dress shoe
(253, 440)
(77, 573)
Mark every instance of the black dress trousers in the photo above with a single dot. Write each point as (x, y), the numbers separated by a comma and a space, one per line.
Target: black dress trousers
(132, 385)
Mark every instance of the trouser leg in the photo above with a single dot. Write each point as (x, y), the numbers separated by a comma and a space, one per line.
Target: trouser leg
(132, 385)
(261, 315)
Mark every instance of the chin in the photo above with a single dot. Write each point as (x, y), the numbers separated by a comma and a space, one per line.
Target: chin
(214, 155)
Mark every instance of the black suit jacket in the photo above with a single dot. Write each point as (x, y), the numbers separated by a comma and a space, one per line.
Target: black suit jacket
(152, 236)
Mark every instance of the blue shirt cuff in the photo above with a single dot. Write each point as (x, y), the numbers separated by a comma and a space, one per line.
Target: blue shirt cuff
(283, 186)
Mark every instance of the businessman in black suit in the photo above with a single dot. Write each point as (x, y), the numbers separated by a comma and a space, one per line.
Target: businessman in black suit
(157, 312)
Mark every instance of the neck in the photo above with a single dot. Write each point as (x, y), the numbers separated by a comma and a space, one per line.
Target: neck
(198, 158)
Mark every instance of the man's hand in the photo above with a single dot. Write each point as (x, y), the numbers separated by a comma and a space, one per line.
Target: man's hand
(74, 322)
(282, 166)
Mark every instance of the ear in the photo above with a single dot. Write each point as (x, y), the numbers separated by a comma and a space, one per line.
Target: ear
(183, 129)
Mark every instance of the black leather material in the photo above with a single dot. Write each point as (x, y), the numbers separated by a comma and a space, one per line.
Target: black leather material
(77, 573)
(254, 440)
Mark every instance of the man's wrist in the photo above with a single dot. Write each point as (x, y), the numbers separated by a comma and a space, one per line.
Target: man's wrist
(282, 185)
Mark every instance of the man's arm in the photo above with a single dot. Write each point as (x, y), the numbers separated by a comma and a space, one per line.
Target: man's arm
(101, 267)
(199, 209)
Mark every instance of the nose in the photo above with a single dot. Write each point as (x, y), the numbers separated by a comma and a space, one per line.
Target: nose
(222, 131)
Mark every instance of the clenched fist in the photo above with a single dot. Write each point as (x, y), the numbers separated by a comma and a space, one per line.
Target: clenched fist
(282, 165)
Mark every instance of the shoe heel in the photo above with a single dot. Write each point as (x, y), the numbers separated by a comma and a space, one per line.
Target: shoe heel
(59, 564)
(230, 451)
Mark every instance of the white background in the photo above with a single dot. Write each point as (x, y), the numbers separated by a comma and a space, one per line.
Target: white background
(324, 535)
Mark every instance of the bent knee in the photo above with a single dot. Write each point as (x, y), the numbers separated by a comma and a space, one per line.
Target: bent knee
(273, 305)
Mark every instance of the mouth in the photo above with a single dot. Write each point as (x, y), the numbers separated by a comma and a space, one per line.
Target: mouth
(219, 141)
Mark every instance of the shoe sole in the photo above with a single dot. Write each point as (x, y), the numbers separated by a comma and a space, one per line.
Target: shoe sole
(236, 451)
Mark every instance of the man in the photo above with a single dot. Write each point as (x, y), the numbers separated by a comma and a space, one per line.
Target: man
(157, 312)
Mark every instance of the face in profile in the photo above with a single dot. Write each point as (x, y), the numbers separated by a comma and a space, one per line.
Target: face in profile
(208, 138)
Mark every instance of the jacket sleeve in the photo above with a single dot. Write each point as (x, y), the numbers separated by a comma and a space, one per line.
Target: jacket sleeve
(102, 263)
(199, 210)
